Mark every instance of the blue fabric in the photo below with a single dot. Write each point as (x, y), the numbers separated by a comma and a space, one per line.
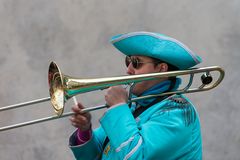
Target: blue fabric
(156, 89)
(157, 46)
(160, 132)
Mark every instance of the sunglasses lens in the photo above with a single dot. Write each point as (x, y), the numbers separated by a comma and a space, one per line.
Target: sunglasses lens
(127, 61)
(133, 60)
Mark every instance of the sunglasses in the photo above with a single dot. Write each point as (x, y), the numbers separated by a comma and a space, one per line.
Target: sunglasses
(136, 62)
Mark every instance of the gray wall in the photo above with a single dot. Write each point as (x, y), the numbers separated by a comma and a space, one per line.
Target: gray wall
(76, 34)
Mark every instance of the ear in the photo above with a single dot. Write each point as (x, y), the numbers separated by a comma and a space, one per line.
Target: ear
(162, 67)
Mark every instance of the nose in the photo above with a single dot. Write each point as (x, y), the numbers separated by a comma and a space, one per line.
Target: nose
(130, 69)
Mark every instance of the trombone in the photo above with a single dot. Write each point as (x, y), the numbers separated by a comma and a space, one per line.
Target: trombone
(63, 87)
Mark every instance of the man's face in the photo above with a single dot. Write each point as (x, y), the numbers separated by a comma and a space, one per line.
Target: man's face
(146, 65)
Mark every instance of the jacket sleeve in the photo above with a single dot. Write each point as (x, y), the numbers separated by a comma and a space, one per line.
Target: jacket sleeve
(92, 149)
(160, 136)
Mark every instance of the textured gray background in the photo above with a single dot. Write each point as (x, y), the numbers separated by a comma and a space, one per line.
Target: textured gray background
(75, 34)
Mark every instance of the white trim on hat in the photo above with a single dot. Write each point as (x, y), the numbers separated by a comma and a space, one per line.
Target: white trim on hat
(193, 55)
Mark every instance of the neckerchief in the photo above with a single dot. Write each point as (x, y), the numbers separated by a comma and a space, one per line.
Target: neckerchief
(156, 89)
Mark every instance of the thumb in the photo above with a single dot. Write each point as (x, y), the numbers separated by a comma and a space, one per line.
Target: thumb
(80, 105)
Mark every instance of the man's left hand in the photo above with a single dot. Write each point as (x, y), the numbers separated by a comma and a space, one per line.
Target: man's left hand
(116, 95)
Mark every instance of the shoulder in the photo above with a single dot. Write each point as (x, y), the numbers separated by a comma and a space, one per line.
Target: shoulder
(180, 106)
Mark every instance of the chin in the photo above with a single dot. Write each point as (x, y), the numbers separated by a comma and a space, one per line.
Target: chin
(137, 90)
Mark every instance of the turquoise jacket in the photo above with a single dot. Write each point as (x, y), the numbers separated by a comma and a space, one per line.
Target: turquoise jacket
(168, 130)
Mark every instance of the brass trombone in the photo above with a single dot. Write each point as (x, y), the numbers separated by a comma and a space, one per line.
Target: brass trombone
(63, 87)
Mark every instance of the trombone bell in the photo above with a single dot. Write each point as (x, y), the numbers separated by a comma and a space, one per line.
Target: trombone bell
(56, 88)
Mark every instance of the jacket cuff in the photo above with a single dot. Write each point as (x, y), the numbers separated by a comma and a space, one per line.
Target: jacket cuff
(83, 136)
(79, 151)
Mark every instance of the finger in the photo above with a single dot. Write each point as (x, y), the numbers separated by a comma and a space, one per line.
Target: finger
(87, 115)
(77, 125)
(75, 122)
(76, 109)
(84, 117)
(78, 113)
(81, 120)
(80, 105)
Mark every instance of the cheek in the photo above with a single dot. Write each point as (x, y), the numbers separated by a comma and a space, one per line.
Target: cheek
(147, 68)
(141, 72)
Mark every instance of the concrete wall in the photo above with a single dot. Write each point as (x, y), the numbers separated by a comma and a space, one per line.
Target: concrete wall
(76, 34)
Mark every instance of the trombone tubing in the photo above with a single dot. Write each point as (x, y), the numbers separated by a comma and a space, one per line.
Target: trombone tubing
(72, 113)
(178, 73)
(94, 108)
(48, 118)
(18, 105)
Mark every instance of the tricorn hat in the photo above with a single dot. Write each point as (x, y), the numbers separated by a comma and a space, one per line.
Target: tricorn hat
(158, 46)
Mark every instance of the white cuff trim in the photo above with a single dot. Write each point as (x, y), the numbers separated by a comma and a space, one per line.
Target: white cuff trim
(124, 144)
(134, 149)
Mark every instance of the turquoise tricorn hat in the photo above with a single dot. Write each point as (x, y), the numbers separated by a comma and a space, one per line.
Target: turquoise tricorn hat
(157, 46)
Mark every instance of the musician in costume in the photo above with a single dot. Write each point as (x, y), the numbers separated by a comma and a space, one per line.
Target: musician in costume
(166, 127)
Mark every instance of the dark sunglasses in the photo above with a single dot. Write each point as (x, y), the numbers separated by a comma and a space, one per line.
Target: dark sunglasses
(136, 62)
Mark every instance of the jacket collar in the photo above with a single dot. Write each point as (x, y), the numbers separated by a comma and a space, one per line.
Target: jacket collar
(156, 89)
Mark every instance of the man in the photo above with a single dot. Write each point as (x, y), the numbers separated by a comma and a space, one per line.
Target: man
(166, 127)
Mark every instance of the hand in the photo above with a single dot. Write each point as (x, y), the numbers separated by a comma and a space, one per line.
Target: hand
(80, 120)
(116, 95)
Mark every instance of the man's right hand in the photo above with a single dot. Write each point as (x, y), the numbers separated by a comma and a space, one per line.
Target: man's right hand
(80, 120)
